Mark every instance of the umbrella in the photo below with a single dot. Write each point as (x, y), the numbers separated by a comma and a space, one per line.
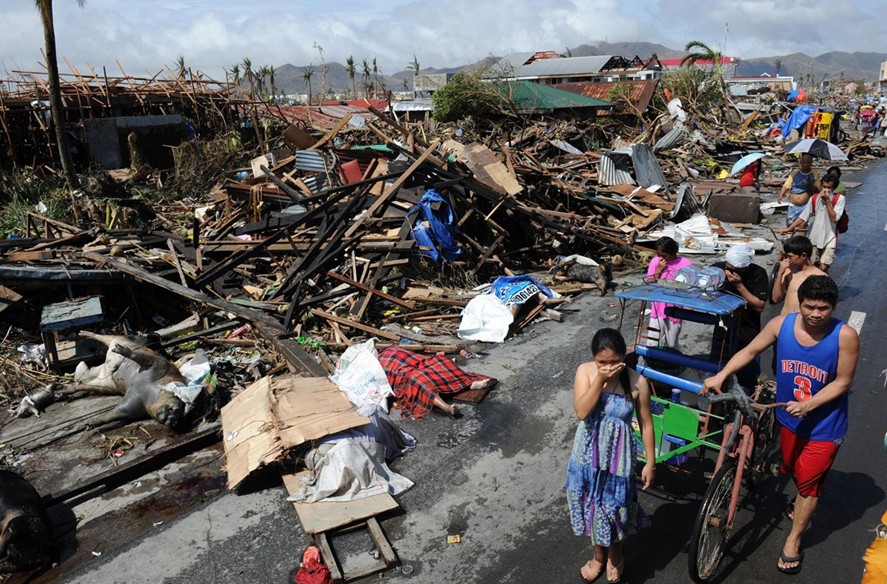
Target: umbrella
(816, 147)
(745, 161)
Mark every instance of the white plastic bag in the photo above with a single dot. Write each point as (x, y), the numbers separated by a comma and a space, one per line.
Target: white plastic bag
(486, 319)
(360, 375)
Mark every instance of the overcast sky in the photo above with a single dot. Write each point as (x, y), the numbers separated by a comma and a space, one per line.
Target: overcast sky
(146, 35)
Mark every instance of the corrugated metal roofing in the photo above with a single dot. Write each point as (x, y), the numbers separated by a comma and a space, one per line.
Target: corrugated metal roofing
(513, 66)
(671, 139)
(616, 167)
(535, 96)
(310, 161)
(563, 67)
(642, 90)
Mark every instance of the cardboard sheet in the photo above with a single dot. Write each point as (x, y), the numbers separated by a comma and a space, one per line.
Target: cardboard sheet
(272, 416)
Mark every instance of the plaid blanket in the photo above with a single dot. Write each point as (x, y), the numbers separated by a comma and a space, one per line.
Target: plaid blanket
(418, 379)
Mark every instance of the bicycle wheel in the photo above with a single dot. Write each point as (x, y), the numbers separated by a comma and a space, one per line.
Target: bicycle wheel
(765, 432)
(710, 529)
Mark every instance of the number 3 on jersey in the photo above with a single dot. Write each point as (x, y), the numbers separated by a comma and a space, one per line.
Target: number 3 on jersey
(802, 388)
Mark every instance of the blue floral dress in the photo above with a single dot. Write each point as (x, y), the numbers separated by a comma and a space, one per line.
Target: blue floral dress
(601, 489)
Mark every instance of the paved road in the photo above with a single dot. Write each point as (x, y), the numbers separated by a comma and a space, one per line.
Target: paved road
(496, 476)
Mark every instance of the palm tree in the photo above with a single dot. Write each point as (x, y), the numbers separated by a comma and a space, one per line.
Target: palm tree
(271, 77)
(307, 72)
(55, 92)
(261, 74)
(366, 77)
(350, 69)
(235, 73)
(376, 84)
(777, 63)
(180, 65)
(699, 51)
(250, 76)
(414, 65)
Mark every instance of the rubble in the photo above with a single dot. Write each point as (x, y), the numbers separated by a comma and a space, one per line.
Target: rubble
(329, 232)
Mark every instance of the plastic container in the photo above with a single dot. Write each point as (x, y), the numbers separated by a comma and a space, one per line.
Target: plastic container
(675, 395)
(687, 275)
(711, 278)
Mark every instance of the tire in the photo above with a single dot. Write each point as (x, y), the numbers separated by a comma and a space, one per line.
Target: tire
(764, 449)
(709, 539)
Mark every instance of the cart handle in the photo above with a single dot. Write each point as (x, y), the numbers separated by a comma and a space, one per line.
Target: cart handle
(671, 380)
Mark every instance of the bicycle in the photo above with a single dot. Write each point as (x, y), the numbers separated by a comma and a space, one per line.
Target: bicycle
(743, 455)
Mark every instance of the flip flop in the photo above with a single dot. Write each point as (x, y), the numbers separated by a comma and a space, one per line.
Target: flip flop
(786, 559)
(587, 569)
(618, 571)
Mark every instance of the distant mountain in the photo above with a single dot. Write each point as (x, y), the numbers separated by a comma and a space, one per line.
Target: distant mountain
(850, 66)
(627, 50)
(836, 64)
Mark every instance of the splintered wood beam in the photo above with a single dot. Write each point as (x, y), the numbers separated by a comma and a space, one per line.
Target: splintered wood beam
(297, 358)
(365, 288)
(356, 325)
(390, 191)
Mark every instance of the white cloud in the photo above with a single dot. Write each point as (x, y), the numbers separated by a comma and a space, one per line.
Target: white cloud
(146, 35)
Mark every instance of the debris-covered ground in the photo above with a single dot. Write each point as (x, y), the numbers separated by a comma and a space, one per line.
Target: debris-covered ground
(209, 300)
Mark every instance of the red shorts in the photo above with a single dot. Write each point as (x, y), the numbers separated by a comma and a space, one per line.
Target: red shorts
(808, 461)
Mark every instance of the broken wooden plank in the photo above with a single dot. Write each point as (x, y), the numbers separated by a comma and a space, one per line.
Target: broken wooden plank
(370, 290)
(353, 324)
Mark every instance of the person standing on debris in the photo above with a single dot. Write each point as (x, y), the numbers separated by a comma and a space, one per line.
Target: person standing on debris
(601, 489)
(664, 330)
(750, 281)
(800, 185)
(816, 363)
(794, 267)
(826, 209)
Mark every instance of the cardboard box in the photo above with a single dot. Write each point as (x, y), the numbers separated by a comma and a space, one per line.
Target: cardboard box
(735, 207)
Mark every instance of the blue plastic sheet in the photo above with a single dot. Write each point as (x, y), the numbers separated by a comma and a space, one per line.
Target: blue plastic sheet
(518, 289)
(799, 117)
(436, 230)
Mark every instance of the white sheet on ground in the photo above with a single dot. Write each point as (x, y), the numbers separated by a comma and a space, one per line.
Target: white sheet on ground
(486, 319)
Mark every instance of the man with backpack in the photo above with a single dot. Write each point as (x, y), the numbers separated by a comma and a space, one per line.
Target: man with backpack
(825, 212)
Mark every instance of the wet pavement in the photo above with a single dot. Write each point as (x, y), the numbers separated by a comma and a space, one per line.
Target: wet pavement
(495, 476)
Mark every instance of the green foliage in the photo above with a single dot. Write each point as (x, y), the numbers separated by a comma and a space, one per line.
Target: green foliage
(463, 96)
(22, 191)
(695, 86)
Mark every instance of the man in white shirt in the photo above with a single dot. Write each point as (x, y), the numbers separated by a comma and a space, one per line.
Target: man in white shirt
(823, 210)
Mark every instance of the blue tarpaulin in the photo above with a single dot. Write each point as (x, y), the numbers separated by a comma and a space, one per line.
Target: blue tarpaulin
(799, 117)
(436, 230)
(518, 289)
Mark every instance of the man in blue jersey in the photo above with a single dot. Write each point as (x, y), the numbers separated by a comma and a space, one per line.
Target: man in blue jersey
(816, 357)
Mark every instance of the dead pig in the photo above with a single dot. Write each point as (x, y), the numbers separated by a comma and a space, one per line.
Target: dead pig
(137, 373)
(599, 275)
(25, 540)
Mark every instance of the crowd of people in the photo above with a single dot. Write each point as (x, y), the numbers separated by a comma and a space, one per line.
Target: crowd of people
(815, 358)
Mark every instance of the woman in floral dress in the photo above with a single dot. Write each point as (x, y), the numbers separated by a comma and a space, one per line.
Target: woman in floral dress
(601, 490)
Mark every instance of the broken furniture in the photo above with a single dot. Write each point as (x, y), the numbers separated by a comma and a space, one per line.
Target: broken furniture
(71, 316)
(323, 520)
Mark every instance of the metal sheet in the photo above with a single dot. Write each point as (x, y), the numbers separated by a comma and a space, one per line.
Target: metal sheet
(310, 161)
(671, 139)
(646, 167)
(615, 169)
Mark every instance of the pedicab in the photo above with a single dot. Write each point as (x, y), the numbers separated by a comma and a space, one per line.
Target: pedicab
(741, 437)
